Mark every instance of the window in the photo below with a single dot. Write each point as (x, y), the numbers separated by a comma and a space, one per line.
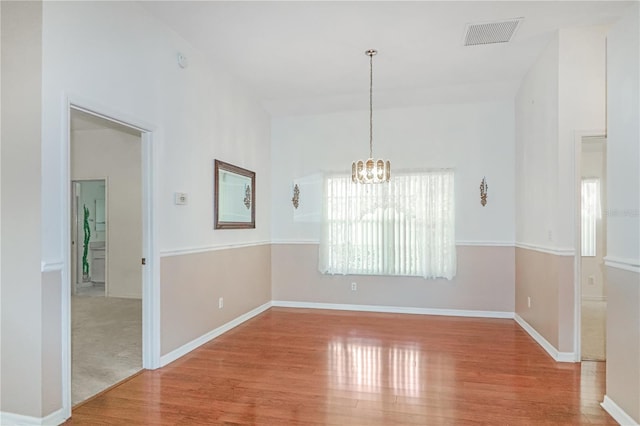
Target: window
(590, 214)
(405, 227)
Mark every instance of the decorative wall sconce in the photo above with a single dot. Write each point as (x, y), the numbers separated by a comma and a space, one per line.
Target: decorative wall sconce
(296, 196)
(483, 192)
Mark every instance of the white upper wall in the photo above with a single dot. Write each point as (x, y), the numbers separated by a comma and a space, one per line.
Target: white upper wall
(623, 143)
(115, 57)
(477, 139)
(536, 152)
(561, 96)
(582, 103)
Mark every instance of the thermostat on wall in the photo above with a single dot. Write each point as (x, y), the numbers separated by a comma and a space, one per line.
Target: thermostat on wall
(181, 198)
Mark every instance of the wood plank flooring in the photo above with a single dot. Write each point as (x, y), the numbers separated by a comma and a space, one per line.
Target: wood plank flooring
(314, 367)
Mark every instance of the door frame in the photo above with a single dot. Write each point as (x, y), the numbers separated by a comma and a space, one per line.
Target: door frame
(150, 273)
(577, 263)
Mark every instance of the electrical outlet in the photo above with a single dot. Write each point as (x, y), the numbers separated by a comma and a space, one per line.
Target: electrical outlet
(550, 235)
(354, 286)
(592, 279)
(220, 303)
(528, 301)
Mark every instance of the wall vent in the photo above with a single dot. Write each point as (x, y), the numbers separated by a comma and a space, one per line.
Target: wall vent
(491, 32)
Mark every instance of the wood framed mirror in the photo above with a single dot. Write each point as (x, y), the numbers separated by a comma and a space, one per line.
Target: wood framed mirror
(234, 197)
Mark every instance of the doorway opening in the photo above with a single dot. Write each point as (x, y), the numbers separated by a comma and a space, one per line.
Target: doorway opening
(593, 231)
(106, 165)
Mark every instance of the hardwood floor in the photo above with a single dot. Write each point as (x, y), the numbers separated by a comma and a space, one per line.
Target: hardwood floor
(296, 366)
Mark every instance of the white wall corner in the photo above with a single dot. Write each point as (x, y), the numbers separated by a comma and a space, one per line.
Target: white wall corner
(548, 347)
(618, 414)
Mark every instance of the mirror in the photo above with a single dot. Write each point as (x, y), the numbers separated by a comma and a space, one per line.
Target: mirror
(235, 195)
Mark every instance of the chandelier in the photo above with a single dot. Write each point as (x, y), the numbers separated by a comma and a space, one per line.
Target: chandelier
(371, 171)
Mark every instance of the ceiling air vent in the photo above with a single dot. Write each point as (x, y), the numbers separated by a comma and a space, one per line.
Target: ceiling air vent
(491, 32)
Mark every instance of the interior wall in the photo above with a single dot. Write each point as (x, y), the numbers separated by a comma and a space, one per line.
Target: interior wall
(23, 318)
(51, 338)
(536, 113)
(622, 131)
(563, 93)
(484, 282)
(582, 104)
(536, 106)
(623, 214)
(117, 59)
(475, 139)
(240, 276)
(197, 114)
(117, 156)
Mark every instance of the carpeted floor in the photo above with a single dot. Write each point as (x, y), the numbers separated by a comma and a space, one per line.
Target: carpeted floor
(106, 343)
(594, 323)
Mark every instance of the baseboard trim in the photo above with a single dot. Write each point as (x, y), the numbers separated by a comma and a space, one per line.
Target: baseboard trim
(11, 419)
(392, 309)
(618, 414)
(126, 296)
(188, 347)
(548, 347)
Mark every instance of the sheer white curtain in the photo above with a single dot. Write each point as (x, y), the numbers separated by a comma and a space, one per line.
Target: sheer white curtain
(406, 227)
(590, 214)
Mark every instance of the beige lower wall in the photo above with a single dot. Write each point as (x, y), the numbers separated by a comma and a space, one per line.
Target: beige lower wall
(21, 350)
(484, 281)
(191, 284)
(623, 340)
(548, 280)
(51, 341)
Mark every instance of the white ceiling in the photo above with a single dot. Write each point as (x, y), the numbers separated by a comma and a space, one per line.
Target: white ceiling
(306, 57)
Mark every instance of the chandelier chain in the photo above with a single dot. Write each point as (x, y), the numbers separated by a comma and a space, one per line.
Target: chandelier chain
(371, 106)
